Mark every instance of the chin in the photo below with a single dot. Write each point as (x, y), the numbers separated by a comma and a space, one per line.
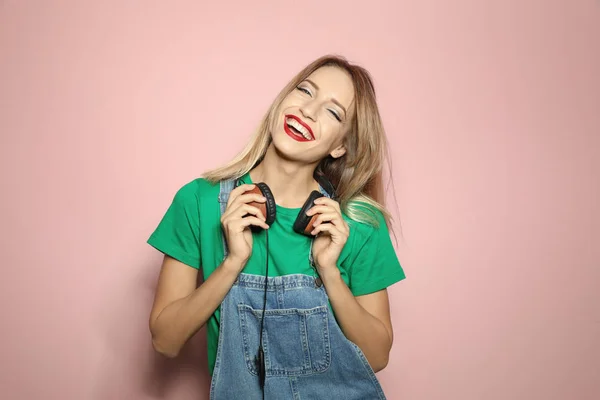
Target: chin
(283, 145)
(288, 149)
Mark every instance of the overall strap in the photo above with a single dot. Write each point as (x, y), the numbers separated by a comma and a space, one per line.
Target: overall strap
(324, 192)
(226, 186)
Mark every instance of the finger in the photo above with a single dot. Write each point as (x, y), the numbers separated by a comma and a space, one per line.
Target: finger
(330, 230)
(247, 221)
(319, 209)
(326, 217)
(235, 193)
(329, 202)
(240, 212)
(241, 200)
(249, 197)
(244, 209)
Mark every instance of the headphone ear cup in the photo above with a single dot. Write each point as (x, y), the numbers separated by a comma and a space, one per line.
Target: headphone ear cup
(268, 208)
(303, 224)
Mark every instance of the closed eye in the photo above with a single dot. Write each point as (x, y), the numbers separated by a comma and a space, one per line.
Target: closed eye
(305, 90)
(336, 115)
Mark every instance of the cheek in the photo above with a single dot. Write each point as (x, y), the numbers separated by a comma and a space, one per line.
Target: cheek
(332, 131)
(286, 103)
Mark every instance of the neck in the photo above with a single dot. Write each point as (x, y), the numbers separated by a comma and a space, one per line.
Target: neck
(290, 182)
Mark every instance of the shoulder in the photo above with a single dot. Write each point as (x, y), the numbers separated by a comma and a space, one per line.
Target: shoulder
(369, 231)
(196, 190)
(372, 263)
(365, 220)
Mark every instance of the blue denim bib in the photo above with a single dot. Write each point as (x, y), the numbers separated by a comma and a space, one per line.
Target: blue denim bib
(307, 356)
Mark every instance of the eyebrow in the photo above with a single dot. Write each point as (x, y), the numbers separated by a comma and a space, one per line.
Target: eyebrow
(334, 101)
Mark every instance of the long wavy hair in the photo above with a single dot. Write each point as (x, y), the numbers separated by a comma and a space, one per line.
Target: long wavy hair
(358, 174)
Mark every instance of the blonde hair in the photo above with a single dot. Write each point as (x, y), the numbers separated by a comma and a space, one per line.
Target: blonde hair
(358, 175)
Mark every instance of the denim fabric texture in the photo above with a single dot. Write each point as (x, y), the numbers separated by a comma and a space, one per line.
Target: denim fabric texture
(307, 356)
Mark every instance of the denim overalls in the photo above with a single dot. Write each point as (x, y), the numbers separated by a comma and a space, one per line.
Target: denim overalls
(306, 354)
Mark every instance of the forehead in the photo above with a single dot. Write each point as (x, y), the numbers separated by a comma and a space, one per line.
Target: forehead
(334, 83)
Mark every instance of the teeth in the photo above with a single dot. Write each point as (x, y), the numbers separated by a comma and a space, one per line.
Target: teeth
(299, 128)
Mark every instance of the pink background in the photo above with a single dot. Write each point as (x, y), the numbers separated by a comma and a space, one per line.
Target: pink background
(493, 113)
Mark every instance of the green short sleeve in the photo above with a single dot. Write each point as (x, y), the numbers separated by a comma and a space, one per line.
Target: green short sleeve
(178, 233)
(374, 264)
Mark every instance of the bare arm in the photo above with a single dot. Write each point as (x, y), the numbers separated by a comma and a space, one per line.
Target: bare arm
(180, 309)
(365, 320)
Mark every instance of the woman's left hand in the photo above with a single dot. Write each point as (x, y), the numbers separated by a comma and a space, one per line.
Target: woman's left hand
(332, 233)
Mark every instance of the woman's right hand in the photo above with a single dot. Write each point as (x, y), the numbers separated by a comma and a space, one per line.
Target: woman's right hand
(236, 222)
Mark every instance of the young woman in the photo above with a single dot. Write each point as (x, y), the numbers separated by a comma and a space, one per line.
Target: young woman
(292, 238)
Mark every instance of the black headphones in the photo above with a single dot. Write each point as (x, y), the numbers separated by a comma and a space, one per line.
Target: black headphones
(302, 225)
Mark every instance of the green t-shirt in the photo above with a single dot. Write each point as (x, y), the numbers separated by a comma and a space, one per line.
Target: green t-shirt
(190, 232)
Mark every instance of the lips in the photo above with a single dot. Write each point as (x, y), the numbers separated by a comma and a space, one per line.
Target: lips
(297, 129)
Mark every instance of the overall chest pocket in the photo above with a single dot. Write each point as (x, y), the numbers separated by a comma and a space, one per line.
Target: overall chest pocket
(295, 341)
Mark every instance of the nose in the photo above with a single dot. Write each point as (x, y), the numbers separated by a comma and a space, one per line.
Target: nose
(309, 109)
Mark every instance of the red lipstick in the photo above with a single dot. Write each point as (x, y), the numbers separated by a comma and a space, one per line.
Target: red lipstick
(294, 135)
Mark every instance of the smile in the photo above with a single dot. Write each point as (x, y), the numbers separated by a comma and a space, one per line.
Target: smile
(297, 129)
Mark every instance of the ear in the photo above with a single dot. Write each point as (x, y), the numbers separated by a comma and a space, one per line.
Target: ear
(338, 151)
